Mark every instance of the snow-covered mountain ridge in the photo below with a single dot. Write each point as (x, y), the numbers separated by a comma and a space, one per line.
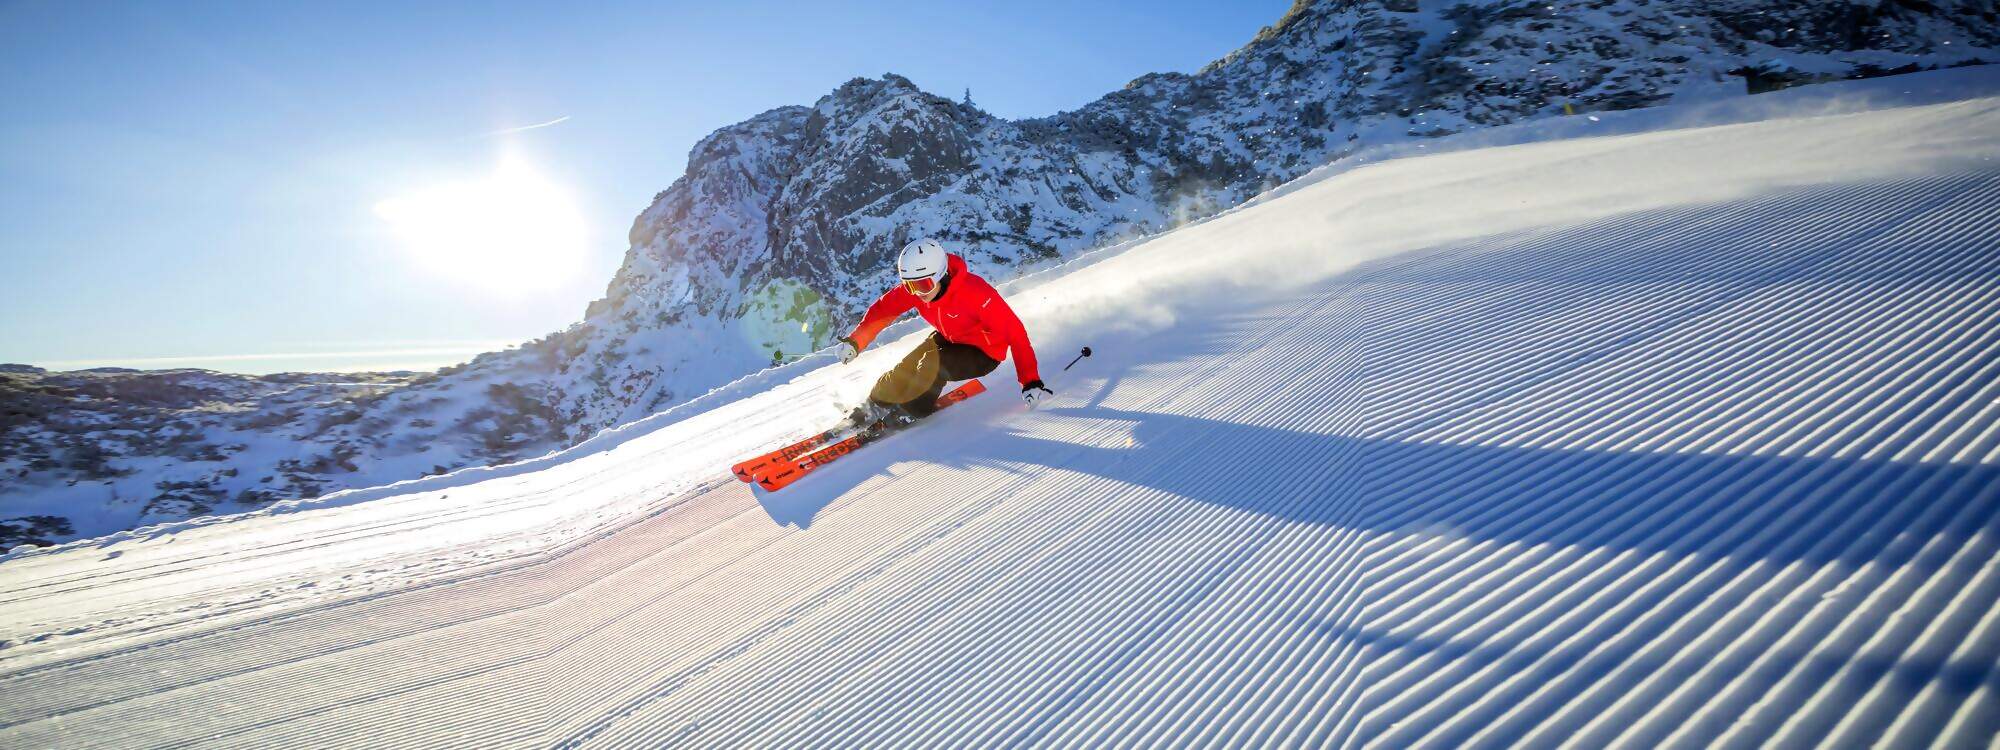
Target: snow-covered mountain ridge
(777, 234)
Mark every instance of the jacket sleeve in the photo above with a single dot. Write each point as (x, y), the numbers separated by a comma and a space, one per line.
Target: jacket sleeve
(1000, 319)
(890, 306)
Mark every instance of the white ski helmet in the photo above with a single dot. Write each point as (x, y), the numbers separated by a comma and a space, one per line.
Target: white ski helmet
(921, 266)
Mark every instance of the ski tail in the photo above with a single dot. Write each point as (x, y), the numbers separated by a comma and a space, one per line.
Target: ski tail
(781, 474)
(968, 390)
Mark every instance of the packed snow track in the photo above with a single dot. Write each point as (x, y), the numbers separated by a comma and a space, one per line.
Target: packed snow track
(1590, 463)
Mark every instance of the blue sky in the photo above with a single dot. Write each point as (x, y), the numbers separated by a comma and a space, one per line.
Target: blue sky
(202, 184)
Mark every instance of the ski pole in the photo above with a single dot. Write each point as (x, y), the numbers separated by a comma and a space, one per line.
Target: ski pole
(1079, 358)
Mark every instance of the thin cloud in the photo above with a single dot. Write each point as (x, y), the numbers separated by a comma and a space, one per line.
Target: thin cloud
(504, 131)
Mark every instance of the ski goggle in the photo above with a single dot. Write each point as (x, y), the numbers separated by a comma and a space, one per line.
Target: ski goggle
(921, 287)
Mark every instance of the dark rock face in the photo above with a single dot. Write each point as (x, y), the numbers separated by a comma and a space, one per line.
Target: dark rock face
(872, 147)
(37, 530)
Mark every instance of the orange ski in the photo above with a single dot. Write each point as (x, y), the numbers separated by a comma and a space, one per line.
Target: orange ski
(777, 475)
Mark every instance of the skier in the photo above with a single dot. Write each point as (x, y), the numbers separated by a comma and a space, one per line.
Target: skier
(975, 330)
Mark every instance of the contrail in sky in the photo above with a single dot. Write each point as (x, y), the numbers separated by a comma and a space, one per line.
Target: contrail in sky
(526, 127)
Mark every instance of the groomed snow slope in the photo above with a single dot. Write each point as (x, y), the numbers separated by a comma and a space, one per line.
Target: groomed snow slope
(1676, 437)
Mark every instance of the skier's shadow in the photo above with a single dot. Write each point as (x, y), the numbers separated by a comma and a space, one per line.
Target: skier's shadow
(798, 507)
(1671, 503)
(1645, 502)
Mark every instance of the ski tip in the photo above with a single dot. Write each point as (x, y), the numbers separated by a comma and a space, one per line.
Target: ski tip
(779, 481)
(748, 470)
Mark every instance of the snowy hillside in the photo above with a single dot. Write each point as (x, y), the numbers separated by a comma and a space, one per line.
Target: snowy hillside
(92, 452)
(1684, 434)
(774, 239)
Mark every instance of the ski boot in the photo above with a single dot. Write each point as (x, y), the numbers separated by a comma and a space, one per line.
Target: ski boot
(871, 412)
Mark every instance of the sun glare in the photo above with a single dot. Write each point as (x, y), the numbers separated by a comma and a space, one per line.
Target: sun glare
(514, 231)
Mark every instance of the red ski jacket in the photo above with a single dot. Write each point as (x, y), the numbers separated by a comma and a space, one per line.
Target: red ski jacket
(969, 312)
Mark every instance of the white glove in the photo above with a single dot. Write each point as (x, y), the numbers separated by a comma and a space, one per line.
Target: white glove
(1036, 394)
(847, 351)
